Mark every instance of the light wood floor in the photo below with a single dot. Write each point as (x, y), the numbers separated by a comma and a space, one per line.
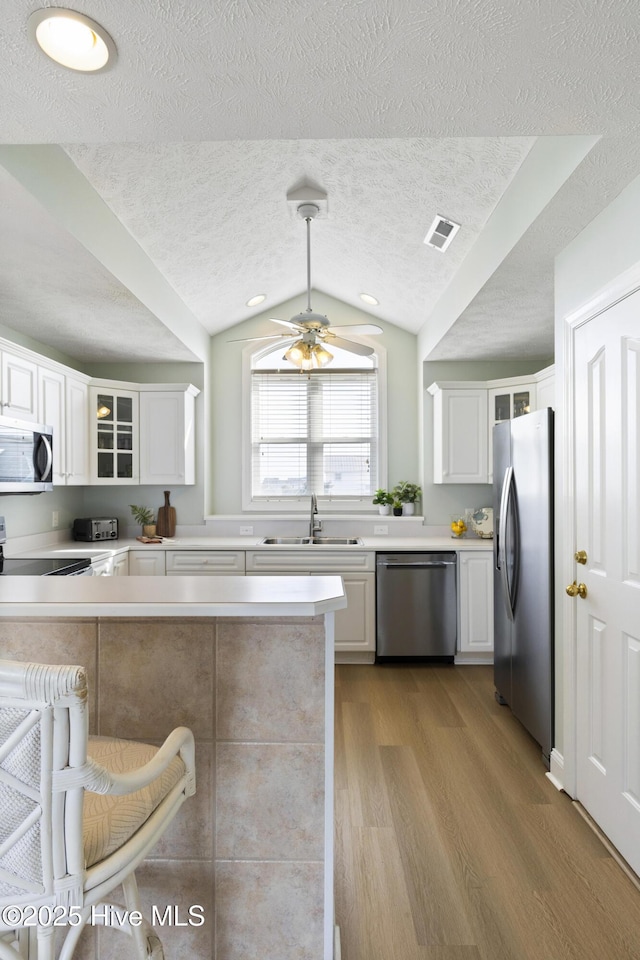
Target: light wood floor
(451, 844)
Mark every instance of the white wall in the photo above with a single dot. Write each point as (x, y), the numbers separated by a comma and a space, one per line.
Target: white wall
(606, 248)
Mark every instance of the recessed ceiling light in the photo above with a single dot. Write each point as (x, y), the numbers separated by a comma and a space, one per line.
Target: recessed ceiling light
(254, 301)
(369, 299)
(72, 40)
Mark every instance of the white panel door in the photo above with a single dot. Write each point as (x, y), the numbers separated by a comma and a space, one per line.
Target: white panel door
(607, 479)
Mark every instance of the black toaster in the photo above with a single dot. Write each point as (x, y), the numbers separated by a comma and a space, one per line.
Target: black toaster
(95, 528)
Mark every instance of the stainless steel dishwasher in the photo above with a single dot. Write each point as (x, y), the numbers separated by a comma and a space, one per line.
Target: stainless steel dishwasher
(416, 605)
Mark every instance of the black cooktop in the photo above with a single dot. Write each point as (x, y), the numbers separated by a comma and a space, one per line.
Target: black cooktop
(42, 568)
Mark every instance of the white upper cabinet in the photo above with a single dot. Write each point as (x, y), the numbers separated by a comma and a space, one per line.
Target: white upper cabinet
(546, 389)
(167, 441)
(460, 435)
(51, 411)
(77, 432)
(19, 387)
(104, 431)
(114, 439)
(142, 433)
(465, 413)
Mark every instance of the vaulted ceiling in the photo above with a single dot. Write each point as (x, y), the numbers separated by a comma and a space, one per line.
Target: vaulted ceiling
(142, 207)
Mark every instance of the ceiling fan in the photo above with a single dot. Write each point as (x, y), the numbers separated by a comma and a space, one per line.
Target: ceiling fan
(313, 329)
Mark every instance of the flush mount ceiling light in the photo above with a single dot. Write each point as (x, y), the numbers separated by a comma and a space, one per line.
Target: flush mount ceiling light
(72, 40)
(441, 233)
(369, 299)
(255, 301)
(313, 328)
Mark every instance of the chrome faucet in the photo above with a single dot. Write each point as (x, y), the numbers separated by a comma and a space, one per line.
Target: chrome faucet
(315, 526)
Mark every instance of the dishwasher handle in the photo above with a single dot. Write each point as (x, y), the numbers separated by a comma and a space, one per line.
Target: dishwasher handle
(417, 563)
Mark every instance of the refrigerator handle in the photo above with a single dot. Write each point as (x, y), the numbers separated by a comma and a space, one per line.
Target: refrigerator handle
(507, 486)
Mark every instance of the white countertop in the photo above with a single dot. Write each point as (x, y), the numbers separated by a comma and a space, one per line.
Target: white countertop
(170, 596)
(384, 544)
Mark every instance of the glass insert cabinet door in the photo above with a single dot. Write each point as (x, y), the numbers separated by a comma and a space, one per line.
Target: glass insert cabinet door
(115, 458)
(511, 404)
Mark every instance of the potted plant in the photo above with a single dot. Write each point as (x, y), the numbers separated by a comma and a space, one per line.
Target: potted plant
(397, 508)
(144, 516)
(407, 493)
(383, 501)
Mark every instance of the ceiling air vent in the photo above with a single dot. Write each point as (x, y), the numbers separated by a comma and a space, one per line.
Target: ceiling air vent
(441, 233)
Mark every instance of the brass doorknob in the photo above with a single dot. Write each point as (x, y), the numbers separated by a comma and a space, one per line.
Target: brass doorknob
(577, 590)
(580, 556)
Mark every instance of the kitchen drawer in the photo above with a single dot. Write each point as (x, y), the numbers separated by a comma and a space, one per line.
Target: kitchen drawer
(204, 562)
(317, 559)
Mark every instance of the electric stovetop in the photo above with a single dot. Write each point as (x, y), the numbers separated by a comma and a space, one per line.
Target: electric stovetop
(33, 567)
(42, 568)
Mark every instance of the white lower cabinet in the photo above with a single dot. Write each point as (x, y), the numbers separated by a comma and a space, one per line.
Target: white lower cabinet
(475, 604)
(121, 565)
(146, 563)
(355, 631)
(355, 626)
(102, 568)
(204, 563)
(115, 566)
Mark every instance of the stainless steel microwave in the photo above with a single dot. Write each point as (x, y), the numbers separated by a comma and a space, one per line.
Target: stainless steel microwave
(26, 456)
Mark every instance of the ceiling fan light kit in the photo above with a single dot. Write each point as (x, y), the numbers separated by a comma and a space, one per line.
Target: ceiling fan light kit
(313, 329)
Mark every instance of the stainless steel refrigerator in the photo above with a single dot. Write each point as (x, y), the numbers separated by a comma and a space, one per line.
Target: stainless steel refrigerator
(523, 571)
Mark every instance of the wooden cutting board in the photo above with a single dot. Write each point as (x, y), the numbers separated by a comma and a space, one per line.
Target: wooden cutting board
(166, 522)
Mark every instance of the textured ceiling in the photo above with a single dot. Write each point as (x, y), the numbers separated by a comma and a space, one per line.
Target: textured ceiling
(213, 217)
(398, 110)
(56, 292)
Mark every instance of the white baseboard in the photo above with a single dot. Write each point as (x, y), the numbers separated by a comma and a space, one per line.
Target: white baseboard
(556, 769)
(337, 949)
(343, 656)
(473, 658)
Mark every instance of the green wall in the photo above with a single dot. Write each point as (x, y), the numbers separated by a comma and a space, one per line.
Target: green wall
(226, 395)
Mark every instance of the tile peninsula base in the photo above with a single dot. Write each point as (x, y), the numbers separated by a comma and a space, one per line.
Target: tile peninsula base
(253, 848)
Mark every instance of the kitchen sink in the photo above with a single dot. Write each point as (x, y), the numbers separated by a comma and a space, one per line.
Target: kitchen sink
(336, 541)
(327, 541)
(286, 540)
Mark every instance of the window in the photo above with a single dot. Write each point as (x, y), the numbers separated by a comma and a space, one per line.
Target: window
(314, 433)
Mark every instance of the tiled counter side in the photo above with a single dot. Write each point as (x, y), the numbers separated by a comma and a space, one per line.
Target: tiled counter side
(253, 844)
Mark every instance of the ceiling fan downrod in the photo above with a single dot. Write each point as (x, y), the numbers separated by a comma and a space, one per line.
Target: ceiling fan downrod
(308, 211)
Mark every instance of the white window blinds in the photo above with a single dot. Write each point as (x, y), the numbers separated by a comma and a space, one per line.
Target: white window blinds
(316, 433)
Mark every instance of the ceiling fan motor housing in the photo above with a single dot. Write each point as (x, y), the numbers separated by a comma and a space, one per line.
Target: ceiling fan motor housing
(310, 320)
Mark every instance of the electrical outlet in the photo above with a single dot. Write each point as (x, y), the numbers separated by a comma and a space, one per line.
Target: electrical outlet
(381, 528)
(55, 519)
(246, 531)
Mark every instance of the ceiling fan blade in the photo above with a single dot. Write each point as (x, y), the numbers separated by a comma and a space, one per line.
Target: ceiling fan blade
(349, 345)
(365, 329)
(288, 323)
(271, 336)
